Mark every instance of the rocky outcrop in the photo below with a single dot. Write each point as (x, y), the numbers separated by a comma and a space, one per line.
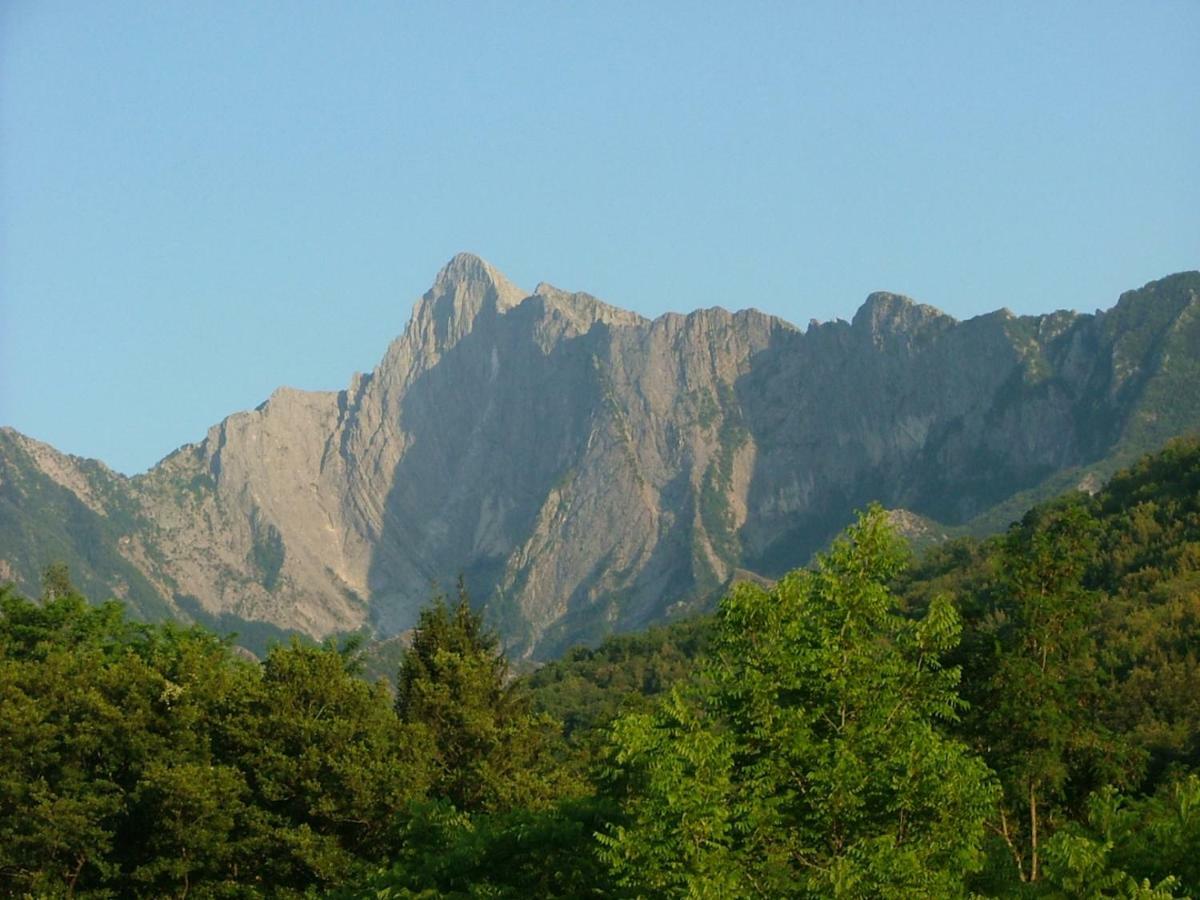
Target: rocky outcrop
(589, 470)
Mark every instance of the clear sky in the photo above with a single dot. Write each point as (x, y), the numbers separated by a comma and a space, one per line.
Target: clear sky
(200, 201)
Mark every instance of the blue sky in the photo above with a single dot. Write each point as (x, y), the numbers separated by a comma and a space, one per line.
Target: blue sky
(202, 201)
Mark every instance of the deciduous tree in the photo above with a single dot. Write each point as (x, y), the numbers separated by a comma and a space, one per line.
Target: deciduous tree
(811, 761)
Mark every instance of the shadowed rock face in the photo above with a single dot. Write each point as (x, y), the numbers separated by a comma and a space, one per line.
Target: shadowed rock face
(590, 470)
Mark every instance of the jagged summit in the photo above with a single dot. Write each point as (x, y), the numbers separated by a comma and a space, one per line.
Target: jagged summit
(467, 268)
(886, 305)
(1171, 292)
(466, 288)
(584, 308)
(467, 278)
(883, 311)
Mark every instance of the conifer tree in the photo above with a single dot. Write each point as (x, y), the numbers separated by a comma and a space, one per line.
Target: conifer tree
(453, 680)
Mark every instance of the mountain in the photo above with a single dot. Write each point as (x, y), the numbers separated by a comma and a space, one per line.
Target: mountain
(589, 470)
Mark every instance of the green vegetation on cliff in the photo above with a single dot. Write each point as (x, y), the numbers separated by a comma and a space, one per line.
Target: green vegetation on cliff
(42, 521)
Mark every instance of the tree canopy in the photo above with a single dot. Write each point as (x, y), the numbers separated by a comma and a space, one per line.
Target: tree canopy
(1014, 717)
(809, 761)
(489, 751)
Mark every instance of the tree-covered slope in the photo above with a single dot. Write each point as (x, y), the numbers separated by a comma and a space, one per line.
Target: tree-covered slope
(1139, 573)
(1012, 717)
(76, 513)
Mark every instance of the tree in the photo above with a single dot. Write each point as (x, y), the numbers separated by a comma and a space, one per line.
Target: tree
(519, 853)
(56, 582)
(102, 740)
(809, 760)
(328, 764)
(1039, 697)
(1141, 849)
(148, 760)
(490, 751)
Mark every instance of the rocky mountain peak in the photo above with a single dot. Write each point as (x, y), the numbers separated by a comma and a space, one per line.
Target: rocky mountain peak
(465, 269)
(887, 313)
(468, 283)
(592, 470)
(1165, 296)
(583, 309)
(884, 306)
(466, 289)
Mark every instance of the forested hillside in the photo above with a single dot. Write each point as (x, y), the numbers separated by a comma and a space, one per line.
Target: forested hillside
(1008, 717)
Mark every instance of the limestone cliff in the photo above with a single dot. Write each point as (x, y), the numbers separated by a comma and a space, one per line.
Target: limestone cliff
(590, 470)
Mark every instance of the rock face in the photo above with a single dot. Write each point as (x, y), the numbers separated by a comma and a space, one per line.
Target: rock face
(589, 470)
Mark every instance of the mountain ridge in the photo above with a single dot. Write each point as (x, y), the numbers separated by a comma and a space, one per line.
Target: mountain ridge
(589, 469)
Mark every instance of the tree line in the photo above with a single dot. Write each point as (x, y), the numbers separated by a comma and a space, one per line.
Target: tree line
(1010, 717)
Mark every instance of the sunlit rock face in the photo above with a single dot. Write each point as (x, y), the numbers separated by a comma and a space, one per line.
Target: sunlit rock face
(589, 470)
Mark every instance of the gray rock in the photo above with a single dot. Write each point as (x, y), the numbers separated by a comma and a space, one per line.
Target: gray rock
(589, 470)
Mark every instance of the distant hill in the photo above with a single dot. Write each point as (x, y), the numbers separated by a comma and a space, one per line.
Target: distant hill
(591, 471)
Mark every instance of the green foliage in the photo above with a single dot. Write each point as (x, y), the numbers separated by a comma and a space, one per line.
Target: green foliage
(518, 854)
(56, 581)
(1035, 710)
(1145, 848)
(267, 554)
(142, 760)
(716, 513)
(42, 523)
(589, 687)
(808, 741)
(328, 763)
(809, 761)
(1079, 647)
(1148, 566)
(93, 705)
(490, 753)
